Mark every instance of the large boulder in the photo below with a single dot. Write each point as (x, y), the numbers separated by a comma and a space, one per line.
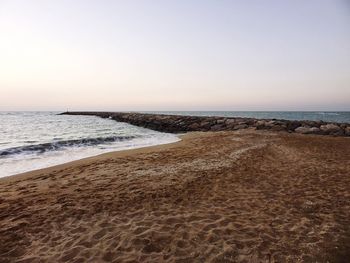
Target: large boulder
(260, 125)
(292, 125)
(240, 126)
(220, 121)
(194, 126)
(347, 131)
(307, 130)
(331, 129)
(230, 122)
(279, 127)
(205, 125)
(270, 124)
(217, 127)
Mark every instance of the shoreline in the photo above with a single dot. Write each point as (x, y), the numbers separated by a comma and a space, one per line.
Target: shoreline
(114, 152)
(183, 123)
(232, 196)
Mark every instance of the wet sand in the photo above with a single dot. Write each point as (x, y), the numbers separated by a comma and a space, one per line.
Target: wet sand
(244, 196)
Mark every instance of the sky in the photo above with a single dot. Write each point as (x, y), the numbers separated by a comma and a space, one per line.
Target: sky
(175, 55)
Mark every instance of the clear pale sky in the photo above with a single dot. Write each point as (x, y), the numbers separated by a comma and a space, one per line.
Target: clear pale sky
(175, 55)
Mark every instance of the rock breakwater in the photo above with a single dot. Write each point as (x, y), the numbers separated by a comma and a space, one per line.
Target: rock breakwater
(179, 123)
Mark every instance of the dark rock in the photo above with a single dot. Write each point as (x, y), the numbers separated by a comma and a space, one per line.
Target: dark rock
(194, 126)
(292, 125)
(242, 122)
(307, 130)
(230, 122)
(178, 124)
(260, 125)
(330, 129)
(240, 126)
(347, 131)
(220, 121)
(278, 128)
(270, 124)
(217, 127)
(205, 125)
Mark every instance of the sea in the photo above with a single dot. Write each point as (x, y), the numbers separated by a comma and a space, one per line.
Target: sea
(35, 140)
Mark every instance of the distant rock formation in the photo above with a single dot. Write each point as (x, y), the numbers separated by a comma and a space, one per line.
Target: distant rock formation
(179, 123)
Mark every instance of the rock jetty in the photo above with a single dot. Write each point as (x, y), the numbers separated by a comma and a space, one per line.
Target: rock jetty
(180, 123)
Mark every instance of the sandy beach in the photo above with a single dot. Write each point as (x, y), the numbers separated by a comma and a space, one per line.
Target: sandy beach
(237, 196)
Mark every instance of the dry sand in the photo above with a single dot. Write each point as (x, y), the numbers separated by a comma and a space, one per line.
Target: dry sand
(244, 196)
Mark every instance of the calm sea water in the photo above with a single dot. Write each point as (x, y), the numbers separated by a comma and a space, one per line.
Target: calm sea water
(34, 140)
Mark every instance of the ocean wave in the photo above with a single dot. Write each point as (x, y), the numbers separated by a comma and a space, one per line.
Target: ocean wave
(57, 145)
(329, 113)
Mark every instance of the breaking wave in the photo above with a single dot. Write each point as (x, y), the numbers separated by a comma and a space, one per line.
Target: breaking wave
(54, 146)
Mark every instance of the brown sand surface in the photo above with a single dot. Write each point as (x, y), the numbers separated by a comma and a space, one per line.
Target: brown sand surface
(245, 196)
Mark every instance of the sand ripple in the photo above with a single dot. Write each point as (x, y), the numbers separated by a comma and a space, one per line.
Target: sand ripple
(214, 197)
